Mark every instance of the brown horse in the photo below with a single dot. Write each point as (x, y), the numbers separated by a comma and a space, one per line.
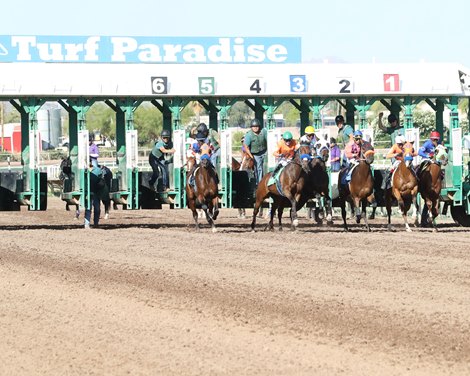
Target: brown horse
(359, 190)
(204, 192)
(404, 187)
(429, 186)
(291, 181)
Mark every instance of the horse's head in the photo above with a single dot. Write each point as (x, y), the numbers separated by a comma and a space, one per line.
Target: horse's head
(190, 162)
(305, 160)
(441, 155)
(323, 152)
(368, 156)
(206, 161)
(408, 153)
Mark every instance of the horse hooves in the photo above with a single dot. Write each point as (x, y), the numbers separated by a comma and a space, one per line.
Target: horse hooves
(408, 230)
(214, 229)
(330, 223)
(295, 222)
(358, 220)
(371, 216)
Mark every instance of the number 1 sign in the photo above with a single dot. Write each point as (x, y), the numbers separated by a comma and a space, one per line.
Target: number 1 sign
(391, 82)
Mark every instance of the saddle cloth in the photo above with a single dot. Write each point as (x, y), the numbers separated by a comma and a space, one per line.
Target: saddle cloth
(274, 179)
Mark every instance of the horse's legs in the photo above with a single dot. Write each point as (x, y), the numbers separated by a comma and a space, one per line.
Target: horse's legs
(343, 214)
(215, 208)
(107, 204)
(328, 209)
(77, 211)
(192, 206)
(209, 215)
(435, 212)
(388, 204)
(280, 209)
(270, 225)
(357, 209)
(403, 209)
(415, 210)
(319, 209)
(293, 215)
(260, 196)
(241, 213)
(364, 213)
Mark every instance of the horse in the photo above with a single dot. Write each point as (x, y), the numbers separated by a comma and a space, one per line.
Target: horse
(430, 184)
(247, 164)
(67, 174)
(360, 189)
(318, 184)
(291, 183)
(204, 192)
(404, 187)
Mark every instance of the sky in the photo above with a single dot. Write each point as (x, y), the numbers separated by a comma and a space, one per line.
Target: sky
(349, 31)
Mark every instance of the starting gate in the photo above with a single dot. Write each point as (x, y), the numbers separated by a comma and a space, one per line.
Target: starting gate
(309, 87)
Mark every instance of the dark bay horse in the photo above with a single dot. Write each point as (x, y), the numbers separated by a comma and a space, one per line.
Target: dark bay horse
(430, 185)
(247, 164)
(318, 183)
(404, 187)
(359, 190)
(204, 193)
(291, 182)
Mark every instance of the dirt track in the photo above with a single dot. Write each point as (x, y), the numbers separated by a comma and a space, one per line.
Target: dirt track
(148, 295)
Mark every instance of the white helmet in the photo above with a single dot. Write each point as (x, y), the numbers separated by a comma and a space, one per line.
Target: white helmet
(400, 139)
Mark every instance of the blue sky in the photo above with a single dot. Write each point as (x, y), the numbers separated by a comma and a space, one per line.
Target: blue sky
(356, 31)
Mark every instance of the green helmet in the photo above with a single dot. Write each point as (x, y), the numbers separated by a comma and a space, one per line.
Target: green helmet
(287, 136)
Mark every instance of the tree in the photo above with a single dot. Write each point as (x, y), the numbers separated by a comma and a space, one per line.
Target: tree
(239, 115)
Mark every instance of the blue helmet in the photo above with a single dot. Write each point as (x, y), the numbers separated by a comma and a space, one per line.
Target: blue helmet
(205, 156)
(357, 134)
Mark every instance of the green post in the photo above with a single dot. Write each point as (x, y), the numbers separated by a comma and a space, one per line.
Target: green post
(30, 193)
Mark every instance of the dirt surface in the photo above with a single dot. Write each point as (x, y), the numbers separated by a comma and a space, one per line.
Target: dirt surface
(145, 295)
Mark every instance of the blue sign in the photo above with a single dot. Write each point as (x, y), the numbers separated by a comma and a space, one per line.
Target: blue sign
(169, 50)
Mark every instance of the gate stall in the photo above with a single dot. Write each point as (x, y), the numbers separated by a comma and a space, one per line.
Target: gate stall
(263, 87)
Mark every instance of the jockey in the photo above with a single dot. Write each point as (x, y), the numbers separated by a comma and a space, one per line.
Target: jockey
(429, 147)
(212, 139)
(285, 150)
(200, 147)
(353, 152)
(309, 139)
(396, 155)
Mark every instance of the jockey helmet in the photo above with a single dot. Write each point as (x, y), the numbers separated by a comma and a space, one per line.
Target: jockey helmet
(202, 128)
(339, 119)
(165, 133)
(357, 134)
(392, 118)
(200, 136)
(332, 140)
(309, 130)
(205, 156)
(435, 135)
(255, 123)
(400, 140)
(287, 136)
